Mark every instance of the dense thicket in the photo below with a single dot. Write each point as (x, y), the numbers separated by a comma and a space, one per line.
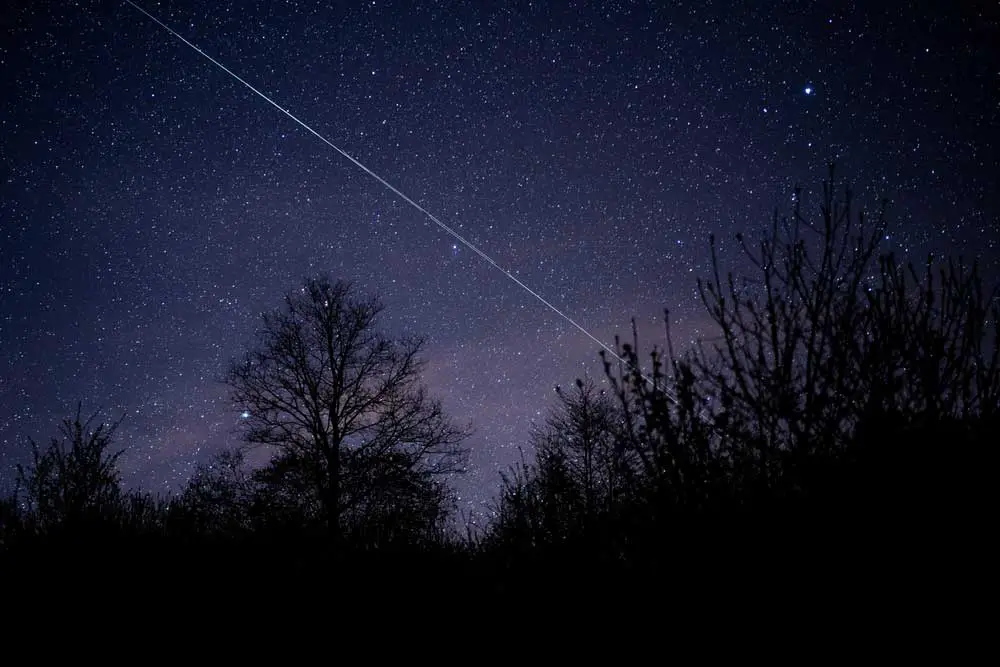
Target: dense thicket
(845, 415)
(848, 405)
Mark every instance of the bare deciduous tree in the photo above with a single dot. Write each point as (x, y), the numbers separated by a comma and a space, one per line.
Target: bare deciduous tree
(334, 394)
(583, 435)
(831, 333)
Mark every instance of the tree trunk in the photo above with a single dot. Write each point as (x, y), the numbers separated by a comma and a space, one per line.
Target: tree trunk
(332, 499)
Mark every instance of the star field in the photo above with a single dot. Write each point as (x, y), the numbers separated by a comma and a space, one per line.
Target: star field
(152, 207)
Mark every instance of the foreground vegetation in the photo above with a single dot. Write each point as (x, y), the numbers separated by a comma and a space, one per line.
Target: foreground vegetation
(839, 432)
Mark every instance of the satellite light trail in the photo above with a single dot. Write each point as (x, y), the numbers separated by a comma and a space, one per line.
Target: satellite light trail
(461, 239)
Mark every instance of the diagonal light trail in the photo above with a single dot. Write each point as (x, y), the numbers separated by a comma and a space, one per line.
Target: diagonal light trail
(468, 244)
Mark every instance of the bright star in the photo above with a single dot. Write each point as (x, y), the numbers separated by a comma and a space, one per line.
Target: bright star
(809, 90)
(244, 415)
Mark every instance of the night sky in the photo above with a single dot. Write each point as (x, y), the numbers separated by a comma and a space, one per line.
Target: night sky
(152, 206)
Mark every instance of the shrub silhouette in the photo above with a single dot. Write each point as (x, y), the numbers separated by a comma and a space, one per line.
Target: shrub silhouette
(830, 334)
(73, 483)
(847, 401)
(843, 389)
(218, 498)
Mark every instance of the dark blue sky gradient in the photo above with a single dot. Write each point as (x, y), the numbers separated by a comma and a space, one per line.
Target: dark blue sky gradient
(152, 207)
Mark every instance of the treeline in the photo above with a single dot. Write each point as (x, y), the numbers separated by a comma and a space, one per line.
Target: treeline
(841, 424)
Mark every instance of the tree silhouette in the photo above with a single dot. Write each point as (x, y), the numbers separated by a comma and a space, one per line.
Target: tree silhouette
(218, 499)
(341, 401)
(75, 480)
(845, 393)
(789, 332)
(831, 337)
(584, 436)
(581, 475)
(387, 500)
